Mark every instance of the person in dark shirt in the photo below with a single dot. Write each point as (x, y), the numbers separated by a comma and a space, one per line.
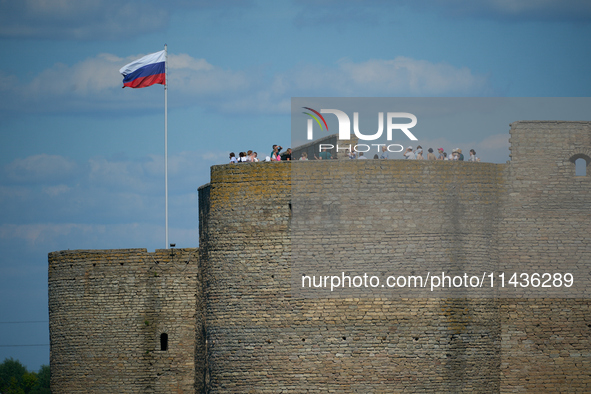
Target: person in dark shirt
(286, 155)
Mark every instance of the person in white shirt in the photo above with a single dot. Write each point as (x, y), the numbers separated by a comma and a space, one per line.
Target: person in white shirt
(409, 154)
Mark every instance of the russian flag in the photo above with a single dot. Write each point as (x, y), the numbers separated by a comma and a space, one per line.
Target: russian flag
(144, 72)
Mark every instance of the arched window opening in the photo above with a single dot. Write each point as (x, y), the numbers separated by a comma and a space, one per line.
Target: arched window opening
(164, 341)
(580, 167)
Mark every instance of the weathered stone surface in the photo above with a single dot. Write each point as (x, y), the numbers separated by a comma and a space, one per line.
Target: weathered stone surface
(251, 333)
(107, 311)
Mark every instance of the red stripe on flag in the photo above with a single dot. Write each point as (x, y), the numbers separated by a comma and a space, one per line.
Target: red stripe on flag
(143, 82)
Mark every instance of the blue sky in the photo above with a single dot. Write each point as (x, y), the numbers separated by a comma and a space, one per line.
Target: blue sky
(81, 163)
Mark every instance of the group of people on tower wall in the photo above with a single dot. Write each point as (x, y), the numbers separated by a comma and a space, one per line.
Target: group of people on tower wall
(417, 154)
(252, 157)
(409, 154)
(456, 154)
(244, 157)
(276, 154)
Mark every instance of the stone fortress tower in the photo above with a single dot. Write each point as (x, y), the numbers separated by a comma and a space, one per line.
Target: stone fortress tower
(224, 317)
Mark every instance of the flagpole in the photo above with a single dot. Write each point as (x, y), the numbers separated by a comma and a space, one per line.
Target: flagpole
(166, 142)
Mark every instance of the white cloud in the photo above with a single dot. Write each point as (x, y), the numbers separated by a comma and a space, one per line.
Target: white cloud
(404, 75)
(86, 78)
(197, 77)
(100, 190)
(401, 76)
(41, 168)
(94, 85)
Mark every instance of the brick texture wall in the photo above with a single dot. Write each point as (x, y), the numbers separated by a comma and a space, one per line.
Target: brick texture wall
(545, 226)
(107, 311)
(261, 337)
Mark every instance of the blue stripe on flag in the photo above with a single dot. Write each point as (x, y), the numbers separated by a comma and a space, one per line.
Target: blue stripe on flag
(146, 71)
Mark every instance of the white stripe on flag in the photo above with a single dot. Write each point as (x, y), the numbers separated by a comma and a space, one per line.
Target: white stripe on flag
(144, 61)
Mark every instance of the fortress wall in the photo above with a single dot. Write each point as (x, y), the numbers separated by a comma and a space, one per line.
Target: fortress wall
(545, 227)
(107, 310)
(395, 216)
(247, 256)
(235, 324)
(261, 337)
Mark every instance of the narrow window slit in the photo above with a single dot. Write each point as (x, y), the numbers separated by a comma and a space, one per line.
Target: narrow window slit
(164, 341)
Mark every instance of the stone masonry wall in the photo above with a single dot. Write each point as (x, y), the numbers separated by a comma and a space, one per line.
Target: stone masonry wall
(545, 226)
(262, 338)
(531, 214)
(107, 311)
(236, 325)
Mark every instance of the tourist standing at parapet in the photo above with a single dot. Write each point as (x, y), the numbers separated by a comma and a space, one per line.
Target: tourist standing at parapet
(324, 155)
(460, 155)
(352, 154)
(431, 155)
(304, 156)
(233, 158)
(255, 157)
(409, 154)
(286, 155)
(275, 154)
(242, 157)
(442, 154)
(361, 157)
(385, 154)
(250, 156)
(419, 153)
(473, 157)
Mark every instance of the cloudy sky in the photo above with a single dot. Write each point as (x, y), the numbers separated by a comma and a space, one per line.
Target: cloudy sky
(81, 164)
